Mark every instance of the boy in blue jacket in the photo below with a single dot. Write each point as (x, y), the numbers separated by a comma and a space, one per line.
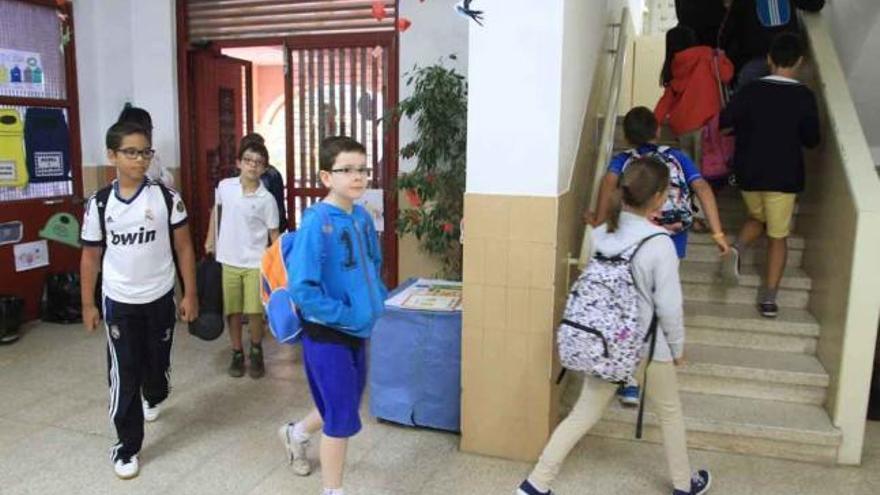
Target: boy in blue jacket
(337, 288)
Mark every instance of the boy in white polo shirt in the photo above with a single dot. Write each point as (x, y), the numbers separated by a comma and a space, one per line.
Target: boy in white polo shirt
(248, 222)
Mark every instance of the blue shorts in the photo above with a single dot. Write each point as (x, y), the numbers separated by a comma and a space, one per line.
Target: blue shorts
(337, 375)
(681, 243)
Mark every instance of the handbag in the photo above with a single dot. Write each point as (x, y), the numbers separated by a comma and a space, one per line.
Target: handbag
(717, 148)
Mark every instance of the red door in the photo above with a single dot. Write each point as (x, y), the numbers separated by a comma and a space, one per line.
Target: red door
(220, 87)
(49, 139)
(341, 86)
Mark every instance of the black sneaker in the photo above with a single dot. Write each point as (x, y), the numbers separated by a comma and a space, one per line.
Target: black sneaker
(526, 488)
(768, 309)
(257, 369)
(236, 367)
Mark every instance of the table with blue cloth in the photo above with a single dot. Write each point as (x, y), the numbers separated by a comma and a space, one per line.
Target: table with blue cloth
(415, 367)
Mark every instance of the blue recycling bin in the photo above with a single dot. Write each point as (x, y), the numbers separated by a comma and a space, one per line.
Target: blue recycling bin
(415, 367)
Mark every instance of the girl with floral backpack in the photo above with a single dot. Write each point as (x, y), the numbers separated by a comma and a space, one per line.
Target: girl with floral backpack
(603, 333)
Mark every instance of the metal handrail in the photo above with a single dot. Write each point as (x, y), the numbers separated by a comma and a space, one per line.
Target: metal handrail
(606, 136)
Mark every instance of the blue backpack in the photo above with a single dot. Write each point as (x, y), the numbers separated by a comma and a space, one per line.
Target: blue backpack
(773, 13)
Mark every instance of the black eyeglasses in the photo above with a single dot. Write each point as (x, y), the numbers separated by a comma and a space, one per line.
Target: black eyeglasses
(352, 171)
(133, 153)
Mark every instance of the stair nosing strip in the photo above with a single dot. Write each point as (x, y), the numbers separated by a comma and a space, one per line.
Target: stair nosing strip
(781, 377)
(751, 430)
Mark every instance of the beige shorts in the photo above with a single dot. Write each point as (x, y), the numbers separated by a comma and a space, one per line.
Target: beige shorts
(774, 209)
(241, 291)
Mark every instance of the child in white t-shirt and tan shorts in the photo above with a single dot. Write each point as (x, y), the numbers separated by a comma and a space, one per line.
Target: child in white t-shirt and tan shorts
(247, 219)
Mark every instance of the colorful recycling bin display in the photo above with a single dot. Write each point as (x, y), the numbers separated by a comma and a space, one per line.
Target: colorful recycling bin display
(13, 167)
(47, 143)
(63, 228)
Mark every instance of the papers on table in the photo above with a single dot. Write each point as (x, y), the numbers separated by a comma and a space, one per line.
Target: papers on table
(428, 295)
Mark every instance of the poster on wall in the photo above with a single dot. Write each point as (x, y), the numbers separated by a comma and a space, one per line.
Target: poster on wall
(30, 255)
(373, 202)
(11, 232)
(21, 71)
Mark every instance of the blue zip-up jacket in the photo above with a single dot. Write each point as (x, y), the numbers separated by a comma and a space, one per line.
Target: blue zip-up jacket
(341, 287)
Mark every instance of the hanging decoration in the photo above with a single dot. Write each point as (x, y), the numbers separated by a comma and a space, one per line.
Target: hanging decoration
(379, 10)
(464, 9)
(403, 24)
(62, 227)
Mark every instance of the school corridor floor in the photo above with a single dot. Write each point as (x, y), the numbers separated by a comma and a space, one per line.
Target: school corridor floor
(217, 435)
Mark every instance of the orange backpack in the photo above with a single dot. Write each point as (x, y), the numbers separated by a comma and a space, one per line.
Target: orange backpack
(281, 312)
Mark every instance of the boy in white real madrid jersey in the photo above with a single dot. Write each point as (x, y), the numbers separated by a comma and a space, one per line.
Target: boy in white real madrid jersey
(134, 232)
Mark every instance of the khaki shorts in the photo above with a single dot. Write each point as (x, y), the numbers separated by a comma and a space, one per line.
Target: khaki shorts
(241, 291)
(773, 209)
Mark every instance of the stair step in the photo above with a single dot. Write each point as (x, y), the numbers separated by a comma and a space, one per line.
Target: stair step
(770, 366)
(752, 340)
(745, 318)
(736, 325)
(795, 241)
(766, 428)
(716, 293)
(757, 374)
(710, 273)
(709, 253)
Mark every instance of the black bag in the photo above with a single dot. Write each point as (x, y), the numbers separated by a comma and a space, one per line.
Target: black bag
(11, 308)
(209, 281)
(61, 298)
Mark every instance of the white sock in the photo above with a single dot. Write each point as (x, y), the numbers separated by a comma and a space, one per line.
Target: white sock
(300, 434)
(333, 491)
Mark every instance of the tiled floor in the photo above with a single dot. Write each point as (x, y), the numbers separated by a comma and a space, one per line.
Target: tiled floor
(217, 436)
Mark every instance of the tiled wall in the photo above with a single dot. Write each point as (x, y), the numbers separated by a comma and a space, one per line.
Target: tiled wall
(509, 273)
(516, 279)
(515, 286)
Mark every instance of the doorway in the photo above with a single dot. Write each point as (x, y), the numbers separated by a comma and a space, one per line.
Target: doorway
(294, 90)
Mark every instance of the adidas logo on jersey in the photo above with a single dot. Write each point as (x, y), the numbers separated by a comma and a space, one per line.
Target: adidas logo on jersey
(142, 236)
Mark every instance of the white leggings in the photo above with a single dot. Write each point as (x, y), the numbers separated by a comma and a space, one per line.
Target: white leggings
(662, 398)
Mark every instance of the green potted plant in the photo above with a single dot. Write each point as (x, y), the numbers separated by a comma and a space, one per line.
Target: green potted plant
(434, 190)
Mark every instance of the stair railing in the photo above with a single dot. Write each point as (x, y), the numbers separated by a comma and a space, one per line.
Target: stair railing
(605, 146)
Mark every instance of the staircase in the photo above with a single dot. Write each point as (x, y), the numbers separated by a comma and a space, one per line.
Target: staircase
(751, 385)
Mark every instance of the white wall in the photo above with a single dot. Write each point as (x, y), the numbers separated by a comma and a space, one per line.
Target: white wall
(436, 32)
(530, 80)
(851, 21)
(636, 10)
(154, 67)
(855, 26)
(126, 51)
(584, 32)
(514, 71)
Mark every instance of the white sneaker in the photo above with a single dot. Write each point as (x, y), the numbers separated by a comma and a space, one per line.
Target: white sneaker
(296, 451)
(150, 413)
(732, 266)
(127, 470)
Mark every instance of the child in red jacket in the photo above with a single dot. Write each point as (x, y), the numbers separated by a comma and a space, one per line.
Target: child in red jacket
(691, 97)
